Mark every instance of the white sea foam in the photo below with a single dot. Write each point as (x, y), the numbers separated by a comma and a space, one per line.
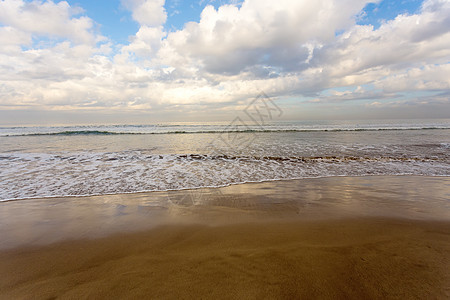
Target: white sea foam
(42, 175)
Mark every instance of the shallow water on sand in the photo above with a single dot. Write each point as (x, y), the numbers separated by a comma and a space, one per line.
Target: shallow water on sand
(42, 221)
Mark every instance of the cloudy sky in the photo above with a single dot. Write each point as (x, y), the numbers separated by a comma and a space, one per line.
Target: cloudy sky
(145, 61)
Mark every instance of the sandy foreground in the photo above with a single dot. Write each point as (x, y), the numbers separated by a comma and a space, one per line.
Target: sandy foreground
(358, 238)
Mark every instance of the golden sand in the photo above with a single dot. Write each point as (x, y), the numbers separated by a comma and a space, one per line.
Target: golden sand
(357, 259)
(362, 240)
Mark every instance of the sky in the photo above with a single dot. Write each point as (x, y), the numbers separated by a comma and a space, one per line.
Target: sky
(148, 61)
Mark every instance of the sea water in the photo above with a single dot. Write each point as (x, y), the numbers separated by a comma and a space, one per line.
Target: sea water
(50, 161)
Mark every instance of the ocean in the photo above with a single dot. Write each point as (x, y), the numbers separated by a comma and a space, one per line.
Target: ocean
(54, 161)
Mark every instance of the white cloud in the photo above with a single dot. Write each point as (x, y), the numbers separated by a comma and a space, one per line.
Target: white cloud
(47, 18)
(396, 43)
(427, 78)
(262, 33)
(147, 12)
(11, 39)
(146, 42)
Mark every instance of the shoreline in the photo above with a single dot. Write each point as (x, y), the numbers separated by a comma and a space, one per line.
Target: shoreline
(216, 187)
(47, 220)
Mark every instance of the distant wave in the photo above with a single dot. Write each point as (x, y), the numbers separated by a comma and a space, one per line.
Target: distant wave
(74, 132)
(105, 132)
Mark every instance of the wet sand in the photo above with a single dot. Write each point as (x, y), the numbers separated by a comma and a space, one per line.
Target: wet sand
(373, 237)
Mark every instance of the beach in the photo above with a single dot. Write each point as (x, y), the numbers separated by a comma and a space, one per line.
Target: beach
(250, 149)
(341, 237)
